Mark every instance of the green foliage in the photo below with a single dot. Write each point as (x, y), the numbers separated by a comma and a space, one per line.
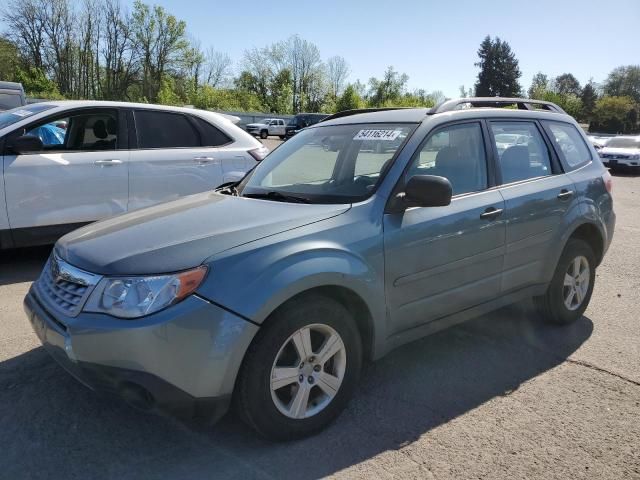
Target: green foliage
(624, 81)
(567, 84)
(499, 70)
(210, 98)
(539, 85)
(589, 98)
(9, 59)
(387, 91)
(167, 93)
(37, 84)
(615, 115)
(349, 100)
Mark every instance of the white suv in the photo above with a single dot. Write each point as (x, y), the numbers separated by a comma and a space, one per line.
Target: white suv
(70, 163)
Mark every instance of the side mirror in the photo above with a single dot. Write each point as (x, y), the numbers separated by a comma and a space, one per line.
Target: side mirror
(427, 191)
(26, 144)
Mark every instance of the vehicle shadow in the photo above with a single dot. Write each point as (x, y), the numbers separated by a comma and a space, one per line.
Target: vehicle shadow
(50, 424)
(22, 264)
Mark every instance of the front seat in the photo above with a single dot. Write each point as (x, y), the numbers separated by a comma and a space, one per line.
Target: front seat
(515, 164)
(451, 164)
(102, 130)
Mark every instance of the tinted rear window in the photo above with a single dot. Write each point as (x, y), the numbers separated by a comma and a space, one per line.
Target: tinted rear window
(212, 136)
(165, 130)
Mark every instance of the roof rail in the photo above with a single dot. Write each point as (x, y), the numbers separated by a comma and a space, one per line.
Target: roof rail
(496, 102)
(348, 113)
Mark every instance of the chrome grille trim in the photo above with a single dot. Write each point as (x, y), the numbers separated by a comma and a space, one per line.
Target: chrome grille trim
(65, 287)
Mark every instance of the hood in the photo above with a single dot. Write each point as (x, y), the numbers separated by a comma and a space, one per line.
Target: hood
(181, 234)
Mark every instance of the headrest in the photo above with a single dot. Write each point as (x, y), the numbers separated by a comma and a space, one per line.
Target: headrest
(100, 129)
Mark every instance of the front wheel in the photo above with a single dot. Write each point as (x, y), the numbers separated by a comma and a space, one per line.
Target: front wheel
(569, 292)
(301, 369)
(263, 134)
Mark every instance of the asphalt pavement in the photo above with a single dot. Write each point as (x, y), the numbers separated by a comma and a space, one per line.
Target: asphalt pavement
(502, 396)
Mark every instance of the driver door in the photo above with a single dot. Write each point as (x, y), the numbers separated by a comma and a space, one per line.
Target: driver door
(442, 260)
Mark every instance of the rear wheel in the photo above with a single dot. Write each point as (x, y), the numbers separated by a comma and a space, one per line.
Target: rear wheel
(263, 134)
(570, 290)
(301, 369)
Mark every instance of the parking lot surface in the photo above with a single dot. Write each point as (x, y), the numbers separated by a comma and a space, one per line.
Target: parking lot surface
(502, 396)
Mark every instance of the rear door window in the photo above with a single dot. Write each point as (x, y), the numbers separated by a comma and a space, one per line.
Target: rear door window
(569, 143)
(522, 152)
(165, 130)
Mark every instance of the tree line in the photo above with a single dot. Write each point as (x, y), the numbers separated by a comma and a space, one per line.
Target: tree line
(610, 107)
(97, 49)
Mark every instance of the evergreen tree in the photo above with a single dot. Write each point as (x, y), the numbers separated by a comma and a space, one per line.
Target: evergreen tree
(499, 70)
(589, 98)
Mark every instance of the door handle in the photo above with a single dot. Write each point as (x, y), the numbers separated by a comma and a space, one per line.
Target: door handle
(564, 193)
(491, 213)
(107, 163)
(204, 160)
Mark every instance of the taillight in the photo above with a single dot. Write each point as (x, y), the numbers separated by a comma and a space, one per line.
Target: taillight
(608, 181)
(259, 153)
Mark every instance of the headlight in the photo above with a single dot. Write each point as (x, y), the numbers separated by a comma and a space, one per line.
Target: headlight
(634, 157)
(133, 297)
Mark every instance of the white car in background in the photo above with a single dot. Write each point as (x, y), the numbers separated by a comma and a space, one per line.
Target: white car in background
(267, 127)
(621, 152)
(108, 158)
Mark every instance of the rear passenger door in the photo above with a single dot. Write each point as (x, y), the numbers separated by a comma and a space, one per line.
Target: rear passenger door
(537, 194)
(171, 157)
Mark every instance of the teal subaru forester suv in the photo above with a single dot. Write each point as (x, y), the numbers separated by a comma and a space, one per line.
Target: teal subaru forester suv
(361, 233)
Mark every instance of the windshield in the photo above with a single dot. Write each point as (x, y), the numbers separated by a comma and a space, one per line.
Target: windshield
(15, 115)
(622, 142)
(10, 100)
(335, 164)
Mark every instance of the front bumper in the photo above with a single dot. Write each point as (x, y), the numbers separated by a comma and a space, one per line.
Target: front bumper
(620, 162)
(183, 360)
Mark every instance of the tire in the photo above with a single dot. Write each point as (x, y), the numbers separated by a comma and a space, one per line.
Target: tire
(264, 134)
(281, 137)
(553, 304)
(272, 412)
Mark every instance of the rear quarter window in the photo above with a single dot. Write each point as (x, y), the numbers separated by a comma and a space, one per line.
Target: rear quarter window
(569, 143)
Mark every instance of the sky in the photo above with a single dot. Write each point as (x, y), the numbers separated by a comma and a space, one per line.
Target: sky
(434, 42)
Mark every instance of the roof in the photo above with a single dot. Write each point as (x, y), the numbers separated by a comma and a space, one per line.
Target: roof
(462, 107)
(11, 86)
(151, 106)
(403, 115)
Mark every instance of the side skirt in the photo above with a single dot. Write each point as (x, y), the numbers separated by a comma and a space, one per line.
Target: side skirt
(33, 236)
(442, 323)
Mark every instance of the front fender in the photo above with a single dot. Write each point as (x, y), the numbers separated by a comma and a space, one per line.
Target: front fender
(263, 279)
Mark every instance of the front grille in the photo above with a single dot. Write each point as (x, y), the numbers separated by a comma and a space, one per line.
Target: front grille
(615, 156)
(65, 287)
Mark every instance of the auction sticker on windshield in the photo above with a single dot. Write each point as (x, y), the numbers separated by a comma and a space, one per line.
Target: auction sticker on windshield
(387, 135)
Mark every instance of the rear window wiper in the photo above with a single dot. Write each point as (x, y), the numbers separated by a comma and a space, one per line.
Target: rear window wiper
(277, 196)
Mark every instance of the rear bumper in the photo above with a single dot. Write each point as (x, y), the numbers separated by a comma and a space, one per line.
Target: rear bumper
(188, 373)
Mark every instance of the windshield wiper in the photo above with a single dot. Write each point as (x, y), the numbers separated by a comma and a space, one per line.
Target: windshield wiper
(277, 196)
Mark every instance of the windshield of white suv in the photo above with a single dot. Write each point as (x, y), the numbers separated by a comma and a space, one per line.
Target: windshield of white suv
(622, 142)
(332, 164)
(16, 114)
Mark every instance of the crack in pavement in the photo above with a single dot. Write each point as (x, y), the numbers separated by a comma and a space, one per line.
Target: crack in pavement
(582, 363)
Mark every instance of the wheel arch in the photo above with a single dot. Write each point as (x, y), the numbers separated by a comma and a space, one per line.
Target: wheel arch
(591, 234)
